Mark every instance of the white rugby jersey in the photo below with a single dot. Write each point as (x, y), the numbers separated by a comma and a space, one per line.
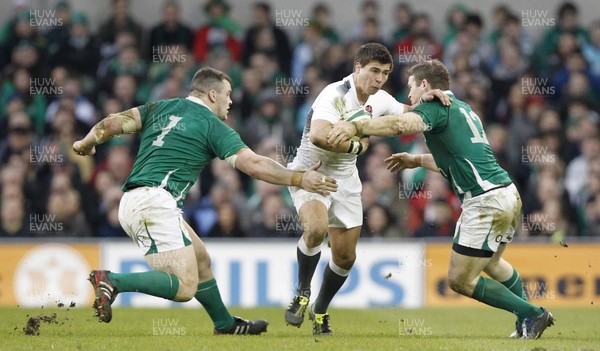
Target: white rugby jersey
(331, 103)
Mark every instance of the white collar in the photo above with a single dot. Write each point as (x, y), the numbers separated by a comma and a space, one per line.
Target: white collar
(353, 93)
(198, 101)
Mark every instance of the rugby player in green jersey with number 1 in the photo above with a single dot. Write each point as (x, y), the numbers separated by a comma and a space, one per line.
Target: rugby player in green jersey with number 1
(491, 204)
(178, 138)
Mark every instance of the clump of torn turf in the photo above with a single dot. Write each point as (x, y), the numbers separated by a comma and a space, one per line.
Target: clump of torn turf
(32, 327)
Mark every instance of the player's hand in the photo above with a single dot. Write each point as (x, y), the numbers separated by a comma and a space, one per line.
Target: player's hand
(401, 161)
(340, 132)
(439, 94)
(316, 182)
(82, 149)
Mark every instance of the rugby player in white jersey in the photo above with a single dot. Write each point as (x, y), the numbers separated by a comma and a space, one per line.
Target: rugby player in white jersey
(339, 215)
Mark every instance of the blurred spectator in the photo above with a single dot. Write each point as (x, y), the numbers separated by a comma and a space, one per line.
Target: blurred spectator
(109, 208)
(59, 34)
(20, 136)
(204, 217)
(456, 19)
(128, 62)
(369, 17)
(64, 210)
(575, 182)
(379, 224)
(64, 134)
(31, 92)
(269, 122)
(124, 88)
(21, 32)
(119, 22)
(13, 218)
(220, 31)
(512, 32)
(72, 99)
(263, 36)
(228, 223)
(500, 15)
(170, 32)
(402, 18)
(276, 220)
(591, 49)
(504, 75)
(419, 43)
(438, 220)
(251, 88)
(80, 52)
(321, 14)
(567, 22)
(309, 50)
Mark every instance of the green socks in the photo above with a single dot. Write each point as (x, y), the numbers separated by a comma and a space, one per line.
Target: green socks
(155, 283)
(497, 295)
(515, 285)
(209, 296)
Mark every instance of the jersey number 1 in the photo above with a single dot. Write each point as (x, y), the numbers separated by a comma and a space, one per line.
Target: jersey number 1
(159, 140)
(472, 118)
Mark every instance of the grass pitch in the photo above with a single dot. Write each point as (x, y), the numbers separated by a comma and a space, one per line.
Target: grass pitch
(372, 329)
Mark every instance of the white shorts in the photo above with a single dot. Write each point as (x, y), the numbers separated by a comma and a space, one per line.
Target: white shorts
(344, 207)
(489, 219)
(151, 218)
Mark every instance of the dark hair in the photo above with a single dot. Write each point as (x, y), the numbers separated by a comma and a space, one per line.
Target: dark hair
(434, 71)
(263, 6)
(567, 7)
(474, 19)
(207, 79)
(373, 52)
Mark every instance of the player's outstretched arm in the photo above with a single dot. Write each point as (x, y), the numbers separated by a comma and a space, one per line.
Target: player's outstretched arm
(401, 161)
(266, 169)
(125, 122)
(407, 123)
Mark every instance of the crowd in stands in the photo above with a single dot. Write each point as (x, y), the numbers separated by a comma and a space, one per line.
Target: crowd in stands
(538, 98)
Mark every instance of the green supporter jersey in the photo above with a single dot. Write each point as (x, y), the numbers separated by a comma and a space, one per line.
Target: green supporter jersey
(178, 138)
(460, 148)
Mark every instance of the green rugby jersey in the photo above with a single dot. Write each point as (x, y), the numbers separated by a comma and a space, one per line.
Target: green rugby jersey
(460, 148)
(178, 138)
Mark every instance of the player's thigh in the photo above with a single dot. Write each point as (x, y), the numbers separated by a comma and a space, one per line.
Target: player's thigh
(343, 244)
(346, 209)
(179, 262)
(202, 255)
(498, 268)
(464, 268)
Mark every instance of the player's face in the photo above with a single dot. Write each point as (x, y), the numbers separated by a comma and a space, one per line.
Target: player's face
(415, 90)
(223, 101)
(372, 76)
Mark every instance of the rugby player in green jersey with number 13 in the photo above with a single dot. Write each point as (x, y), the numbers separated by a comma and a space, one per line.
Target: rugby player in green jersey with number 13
(179, 137)
(491, 205)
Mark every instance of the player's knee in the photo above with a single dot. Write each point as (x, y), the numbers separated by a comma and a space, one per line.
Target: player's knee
(457, 285)
(203, 262)
(314, 233)
(187, 290)
(344, 260)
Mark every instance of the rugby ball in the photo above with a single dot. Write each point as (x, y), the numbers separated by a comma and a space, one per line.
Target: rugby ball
(356, 115)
